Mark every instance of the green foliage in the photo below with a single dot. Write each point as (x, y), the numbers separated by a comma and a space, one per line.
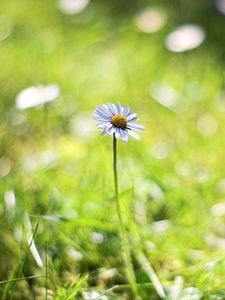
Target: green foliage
(59, 169)
(70, 292)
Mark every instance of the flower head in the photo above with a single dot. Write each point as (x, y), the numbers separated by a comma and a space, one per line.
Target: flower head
(185, 38)
(36, 96)
(118, 120)
(72, 7)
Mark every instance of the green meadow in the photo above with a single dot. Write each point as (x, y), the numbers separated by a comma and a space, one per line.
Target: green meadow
(59, 236)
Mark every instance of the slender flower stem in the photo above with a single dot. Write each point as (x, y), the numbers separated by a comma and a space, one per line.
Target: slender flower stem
(124, 239)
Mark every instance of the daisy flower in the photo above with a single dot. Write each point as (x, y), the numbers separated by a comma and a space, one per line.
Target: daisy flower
(185, 38)
(36, 96)
(117, 120)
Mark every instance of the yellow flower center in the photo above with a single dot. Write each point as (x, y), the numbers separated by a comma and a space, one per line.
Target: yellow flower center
(119, 121)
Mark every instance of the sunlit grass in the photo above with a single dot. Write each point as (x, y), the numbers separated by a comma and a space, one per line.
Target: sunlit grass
(62, 176)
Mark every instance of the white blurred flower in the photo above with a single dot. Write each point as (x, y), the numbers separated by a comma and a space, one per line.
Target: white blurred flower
(145, 187)
(184, 38)
(140, 212)
(220, 4)
(74, 254)
(93, 295)
(10, 199)
(150, 20)
(97, 238)
(165, 94)
(218, 209)
(40, 160)
(72, 7)
(190, 293)
(83, 126)
(107, 274)
(161, 226)
(214, 241)
(37, 95)
(176, 288)
(177, 292)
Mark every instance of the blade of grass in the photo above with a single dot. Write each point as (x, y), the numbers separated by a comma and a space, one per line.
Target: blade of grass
(20, 267)
(21, 278)
(46, 271)
(81, 281)
(151, 274)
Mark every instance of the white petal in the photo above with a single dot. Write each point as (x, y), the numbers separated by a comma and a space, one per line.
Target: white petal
(112, 130)
(131, 116)
(126, 111)
(100, 118)
(119, 108)
(117, 133)
(34, 251)
(52, 92)
(104, 132)
(103, 111)
(135, 126)
(112, 108)
(133, 134)
(107, 129)
(106, 107)
(103, 125)
(123, 135)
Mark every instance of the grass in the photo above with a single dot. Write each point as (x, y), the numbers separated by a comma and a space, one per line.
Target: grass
(62, 178)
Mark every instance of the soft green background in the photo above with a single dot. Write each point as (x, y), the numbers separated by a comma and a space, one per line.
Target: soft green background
(62, 178)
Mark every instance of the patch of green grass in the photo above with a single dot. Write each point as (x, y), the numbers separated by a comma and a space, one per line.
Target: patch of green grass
(62, 177)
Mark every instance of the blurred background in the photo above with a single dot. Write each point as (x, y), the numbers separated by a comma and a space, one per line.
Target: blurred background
(59, 59)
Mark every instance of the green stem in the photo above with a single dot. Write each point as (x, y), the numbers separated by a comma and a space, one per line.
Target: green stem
(124, 240)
